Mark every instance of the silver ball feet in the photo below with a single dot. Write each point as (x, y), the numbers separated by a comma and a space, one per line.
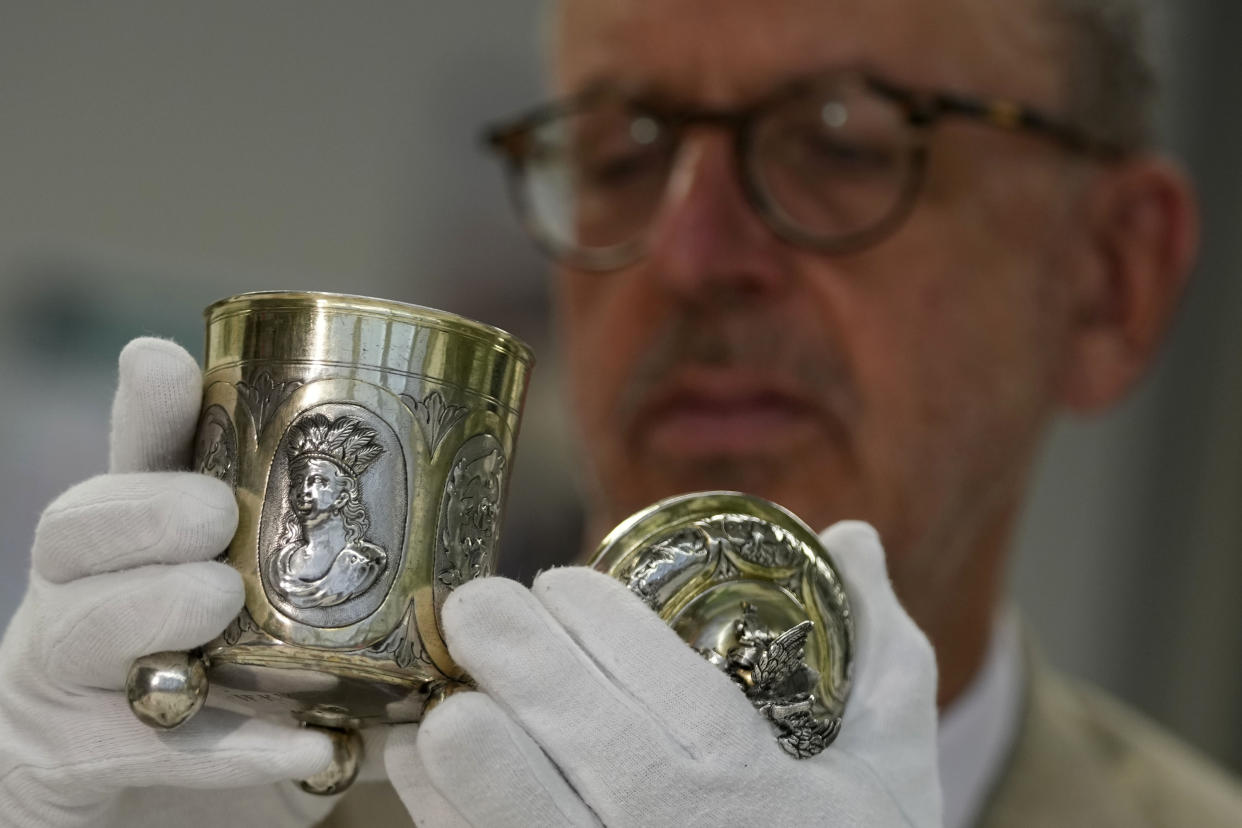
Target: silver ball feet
(346, 760)
(165, 689)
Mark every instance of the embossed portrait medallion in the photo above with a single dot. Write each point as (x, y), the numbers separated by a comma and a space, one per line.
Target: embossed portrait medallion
(331, 537)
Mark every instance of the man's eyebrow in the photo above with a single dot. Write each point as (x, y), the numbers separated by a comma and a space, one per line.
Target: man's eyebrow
(659, 95)
(643, 92)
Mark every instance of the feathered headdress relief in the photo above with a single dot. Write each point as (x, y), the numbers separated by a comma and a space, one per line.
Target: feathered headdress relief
(345, 442)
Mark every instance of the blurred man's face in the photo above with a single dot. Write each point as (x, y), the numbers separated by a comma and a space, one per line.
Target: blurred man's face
(905, 384)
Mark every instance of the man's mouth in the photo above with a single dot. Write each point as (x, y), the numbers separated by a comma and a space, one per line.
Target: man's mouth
(706, 414)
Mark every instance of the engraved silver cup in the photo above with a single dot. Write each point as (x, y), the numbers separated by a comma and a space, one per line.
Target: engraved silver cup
(369, 445)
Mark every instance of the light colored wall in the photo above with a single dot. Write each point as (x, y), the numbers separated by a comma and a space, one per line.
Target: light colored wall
(155, 156)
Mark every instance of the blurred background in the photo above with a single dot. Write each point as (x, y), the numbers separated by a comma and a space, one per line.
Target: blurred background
(156, 156)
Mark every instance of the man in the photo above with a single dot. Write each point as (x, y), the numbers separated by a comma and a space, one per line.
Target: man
(851, 256)
(754, 298)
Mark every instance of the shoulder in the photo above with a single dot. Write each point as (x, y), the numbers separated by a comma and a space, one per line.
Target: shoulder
(1084, 758)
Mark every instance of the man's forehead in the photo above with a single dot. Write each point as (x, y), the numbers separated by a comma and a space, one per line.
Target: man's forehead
(722, 52)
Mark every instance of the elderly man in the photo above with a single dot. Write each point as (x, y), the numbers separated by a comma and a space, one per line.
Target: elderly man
(851, 256)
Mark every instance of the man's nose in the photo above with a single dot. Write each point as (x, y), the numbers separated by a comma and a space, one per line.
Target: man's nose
(708, 244)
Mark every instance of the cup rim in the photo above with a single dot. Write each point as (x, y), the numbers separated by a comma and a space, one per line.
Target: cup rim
(373, 306)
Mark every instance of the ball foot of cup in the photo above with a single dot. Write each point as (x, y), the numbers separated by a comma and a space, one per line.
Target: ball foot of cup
(166, 689)
(346, 759)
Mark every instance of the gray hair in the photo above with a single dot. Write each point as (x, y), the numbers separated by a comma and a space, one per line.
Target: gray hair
(1111, 77)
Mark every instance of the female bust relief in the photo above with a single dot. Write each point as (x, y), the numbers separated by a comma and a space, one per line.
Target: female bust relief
(324, 558)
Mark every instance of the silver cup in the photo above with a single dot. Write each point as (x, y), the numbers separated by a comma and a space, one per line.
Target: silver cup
(369, 444)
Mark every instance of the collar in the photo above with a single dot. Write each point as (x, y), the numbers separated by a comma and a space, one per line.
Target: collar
(977, 731)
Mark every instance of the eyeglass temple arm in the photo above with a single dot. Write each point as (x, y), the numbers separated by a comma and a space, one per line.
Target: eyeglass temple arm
(1009, 115)
(925, 110)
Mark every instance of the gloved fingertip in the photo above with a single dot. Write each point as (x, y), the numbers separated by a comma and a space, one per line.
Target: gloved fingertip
(308, 753)
(475, 600)
(576, 580)
(856, 548)
(148, 363)
(217, 577)
(399, 743)
(850, 532)
(274, 750)
(141, 351)
(206, 490)
(399, 755)
(159, 389)
(196, 602)
(442, 727)
(409, 778)
(208, 515)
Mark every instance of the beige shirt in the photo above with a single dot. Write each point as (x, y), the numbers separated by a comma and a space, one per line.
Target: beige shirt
(1083, 760)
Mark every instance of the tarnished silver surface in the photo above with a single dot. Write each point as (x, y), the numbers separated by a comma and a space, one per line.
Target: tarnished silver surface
(368, 443)
(166, 689)
(750, 586)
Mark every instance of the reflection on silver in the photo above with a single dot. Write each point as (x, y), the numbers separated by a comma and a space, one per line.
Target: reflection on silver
(324, 557)
(666, 564)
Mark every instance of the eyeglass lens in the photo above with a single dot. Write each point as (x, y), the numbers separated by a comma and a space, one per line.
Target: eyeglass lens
(826, 164)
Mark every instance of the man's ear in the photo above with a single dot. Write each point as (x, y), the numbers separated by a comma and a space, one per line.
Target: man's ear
(1142, 227)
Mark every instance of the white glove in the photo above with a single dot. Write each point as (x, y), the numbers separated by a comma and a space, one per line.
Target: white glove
(593, 710)
(122, 567)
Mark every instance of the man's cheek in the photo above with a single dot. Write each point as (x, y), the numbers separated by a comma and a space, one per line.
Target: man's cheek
(602, 359)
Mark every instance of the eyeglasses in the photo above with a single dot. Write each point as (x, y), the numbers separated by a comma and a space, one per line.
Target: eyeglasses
(831, 162)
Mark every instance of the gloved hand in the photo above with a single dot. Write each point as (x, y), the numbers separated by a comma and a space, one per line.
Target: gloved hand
(122, 566)
(593, 710)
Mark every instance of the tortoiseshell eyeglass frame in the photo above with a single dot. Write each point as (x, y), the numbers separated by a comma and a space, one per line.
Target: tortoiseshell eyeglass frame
(514, 141)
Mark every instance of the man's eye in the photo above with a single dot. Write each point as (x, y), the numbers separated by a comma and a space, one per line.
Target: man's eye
(619, 169)
(818, 150)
